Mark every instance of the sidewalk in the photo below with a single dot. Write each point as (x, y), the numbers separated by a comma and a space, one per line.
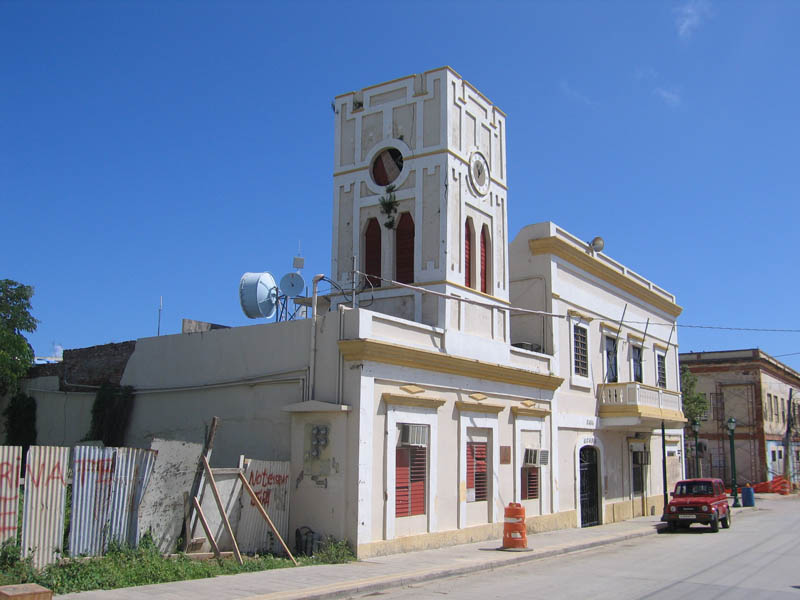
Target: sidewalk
(333, 581)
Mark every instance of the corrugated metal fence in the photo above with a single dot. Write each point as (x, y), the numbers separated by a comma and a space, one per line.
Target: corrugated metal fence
(270, 482)
(107, 487)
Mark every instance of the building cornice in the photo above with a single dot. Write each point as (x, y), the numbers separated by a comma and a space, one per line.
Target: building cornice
(419, 401)
(478, 407)
(416, 358)
(566, 251)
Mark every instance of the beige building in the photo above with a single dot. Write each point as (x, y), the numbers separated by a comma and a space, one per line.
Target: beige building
(755, 389)
(415, 409)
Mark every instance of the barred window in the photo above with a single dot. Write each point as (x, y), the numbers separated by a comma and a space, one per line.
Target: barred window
(477, 483)
(580, 350)
(636, 358)
(530, 483)
(661, 368)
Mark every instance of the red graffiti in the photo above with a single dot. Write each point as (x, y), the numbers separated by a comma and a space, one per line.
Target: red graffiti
(263, 497)
(104, 469)
(10, 473)
(266, 478)
(56, 473)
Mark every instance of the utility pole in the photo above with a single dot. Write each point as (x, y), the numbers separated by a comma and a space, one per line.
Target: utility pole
(787, 442)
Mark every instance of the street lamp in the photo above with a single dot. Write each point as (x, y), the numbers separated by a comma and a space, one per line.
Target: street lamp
(696, 429)
(731, 429)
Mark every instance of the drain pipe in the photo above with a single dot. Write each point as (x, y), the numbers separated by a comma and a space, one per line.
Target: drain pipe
(313, 357)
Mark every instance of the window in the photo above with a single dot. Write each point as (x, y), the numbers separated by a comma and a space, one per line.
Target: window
(469, 234)
(704, 416)
(611, 360)
(372, 252)
(387, 166)
(411, 468)
(477, 483)
(661, 370)
(580, 337)
(774, 408)
(404, 259)
(769, 407)
(484, 259)
(780, 454)
(783, 410)
(636, 362)
(774, 456)
(530, 483)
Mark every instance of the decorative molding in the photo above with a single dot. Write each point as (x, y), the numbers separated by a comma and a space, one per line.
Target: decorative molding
(480, 408)
(661, 347)
(642, 412)
(399, 400)
(636, 338)
(558, 247)
(412, 389)
(610, 326)
(415, 358)
(578, 315)
(478, 396)
(520, 411)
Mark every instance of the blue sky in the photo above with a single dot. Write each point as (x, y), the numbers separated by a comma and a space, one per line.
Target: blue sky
(155, 149)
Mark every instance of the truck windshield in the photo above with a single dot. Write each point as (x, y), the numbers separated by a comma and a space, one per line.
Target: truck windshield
(693, 488)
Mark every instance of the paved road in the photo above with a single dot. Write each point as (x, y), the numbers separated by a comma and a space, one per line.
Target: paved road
(758, 557)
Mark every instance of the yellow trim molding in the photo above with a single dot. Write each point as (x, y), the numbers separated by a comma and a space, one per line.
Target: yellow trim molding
(400, 400)
(412, 389)
(610, 326)
(478, 396)
(577, 315)
(661, 347)
(481, 408)
(636, 338)
(415, 358)
(519, 411)
(590, 264)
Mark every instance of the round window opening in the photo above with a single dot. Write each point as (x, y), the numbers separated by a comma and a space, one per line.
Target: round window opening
(387, 166)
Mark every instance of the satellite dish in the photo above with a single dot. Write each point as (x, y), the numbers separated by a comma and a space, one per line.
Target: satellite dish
(292, 284)
(258, 295)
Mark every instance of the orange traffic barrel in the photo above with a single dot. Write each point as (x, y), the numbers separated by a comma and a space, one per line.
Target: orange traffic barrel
(514, 534)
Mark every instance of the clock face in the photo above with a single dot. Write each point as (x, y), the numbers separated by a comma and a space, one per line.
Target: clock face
(479, 173)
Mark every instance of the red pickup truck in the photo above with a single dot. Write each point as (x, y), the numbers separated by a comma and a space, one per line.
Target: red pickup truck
(698, 501)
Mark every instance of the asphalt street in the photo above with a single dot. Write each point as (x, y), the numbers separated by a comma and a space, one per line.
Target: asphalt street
(758, 557)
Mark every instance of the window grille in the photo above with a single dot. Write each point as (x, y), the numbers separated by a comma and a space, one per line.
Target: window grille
(530, 483)
(581, 350)
(477, 482)
(410, 480)
(661, 366)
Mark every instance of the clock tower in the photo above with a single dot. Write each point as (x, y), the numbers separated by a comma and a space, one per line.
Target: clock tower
(419, 196)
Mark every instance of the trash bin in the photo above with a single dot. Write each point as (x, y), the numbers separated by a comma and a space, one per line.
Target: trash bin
(748, 496)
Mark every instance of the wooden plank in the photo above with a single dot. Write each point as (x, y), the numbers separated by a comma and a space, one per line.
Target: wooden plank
(207, 529)
(197, 485)
(264, 514)
(25, 591)
(221, 508)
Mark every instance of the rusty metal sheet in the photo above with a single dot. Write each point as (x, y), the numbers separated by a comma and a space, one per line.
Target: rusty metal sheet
(132, 470)
(10, 462)
(92, 470)
(43, 508)
(270, 482)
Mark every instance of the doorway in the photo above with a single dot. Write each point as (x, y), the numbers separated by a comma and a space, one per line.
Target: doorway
(589, 497)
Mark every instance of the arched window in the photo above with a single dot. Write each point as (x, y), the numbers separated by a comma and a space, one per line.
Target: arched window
(404, 249)
(485, 259)
(372, 252)
(468, 235)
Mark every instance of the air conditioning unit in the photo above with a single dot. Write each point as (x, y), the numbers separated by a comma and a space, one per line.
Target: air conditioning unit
(535, 457)
(413, 435)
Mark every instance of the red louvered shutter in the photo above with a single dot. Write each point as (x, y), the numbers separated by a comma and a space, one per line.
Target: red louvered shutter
(418, 471)
(468, 253)
(402, 482)
(484, 241)
(530, 483)
(372, 251)
(476, 470)
(404, 259)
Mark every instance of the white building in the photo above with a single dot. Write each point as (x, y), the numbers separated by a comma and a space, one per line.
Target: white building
(434, 420)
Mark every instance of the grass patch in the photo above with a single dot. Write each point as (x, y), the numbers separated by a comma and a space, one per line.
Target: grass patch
(125, 567)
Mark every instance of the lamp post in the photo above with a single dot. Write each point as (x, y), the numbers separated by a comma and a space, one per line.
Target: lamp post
(731, 429)
(696, 429)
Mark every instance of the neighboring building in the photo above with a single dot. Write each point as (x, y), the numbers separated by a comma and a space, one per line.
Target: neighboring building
(412, 420)
(754, 388)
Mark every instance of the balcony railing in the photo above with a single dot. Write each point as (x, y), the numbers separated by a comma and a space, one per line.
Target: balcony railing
(638, 395)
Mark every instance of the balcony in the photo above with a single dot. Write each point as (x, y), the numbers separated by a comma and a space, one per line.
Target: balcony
(631, 404)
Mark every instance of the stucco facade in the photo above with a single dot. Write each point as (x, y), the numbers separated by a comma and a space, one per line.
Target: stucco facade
(439, 402)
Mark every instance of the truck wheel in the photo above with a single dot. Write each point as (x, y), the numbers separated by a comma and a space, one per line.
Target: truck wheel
(715, 524)
(726, 520)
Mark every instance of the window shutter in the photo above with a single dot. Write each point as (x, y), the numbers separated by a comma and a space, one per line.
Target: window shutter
(402, 482)
(417, 476)
(477, 470)
(372, 251)
(404, 259)
(468, 253)
(484, 285)
(530, 483)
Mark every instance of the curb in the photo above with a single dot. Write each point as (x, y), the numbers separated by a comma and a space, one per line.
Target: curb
(395, 581)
